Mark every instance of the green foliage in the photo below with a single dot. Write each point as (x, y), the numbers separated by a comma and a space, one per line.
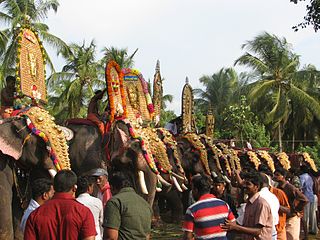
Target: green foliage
(312, 16)
(166, 116)
(241, 123)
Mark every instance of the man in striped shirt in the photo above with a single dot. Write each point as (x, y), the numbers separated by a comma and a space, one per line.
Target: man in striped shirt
(204, 218)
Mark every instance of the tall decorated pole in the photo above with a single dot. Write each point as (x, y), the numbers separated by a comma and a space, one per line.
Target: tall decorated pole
(30, 68)
(188, 122)
(157, 93)
(210, 122)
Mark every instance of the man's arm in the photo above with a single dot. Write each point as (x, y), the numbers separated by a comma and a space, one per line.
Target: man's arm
(110, 234)
(233, 226)
(187, 235)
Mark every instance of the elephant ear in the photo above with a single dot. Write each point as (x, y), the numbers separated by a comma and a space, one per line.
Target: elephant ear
(11, 143)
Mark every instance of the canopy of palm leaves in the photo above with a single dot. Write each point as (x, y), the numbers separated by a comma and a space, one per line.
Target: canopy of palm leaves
(120, 56)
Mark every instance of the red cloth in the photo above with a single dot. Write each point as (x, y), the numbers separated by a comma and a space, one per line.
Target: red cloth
(62, 217)
(105, 194)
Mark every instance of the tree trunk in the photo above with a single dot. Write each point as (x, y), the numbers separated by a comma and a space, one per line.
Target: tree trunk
(280, 137)
(293, 139)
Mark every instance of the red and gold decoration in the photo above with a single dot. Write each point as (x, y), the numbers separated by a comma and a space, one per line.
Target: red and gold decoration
(308, 159)
(157, 93)
(284, 160)
(41, 123)
(217, 153)
(30, 66)
(116, 94)
(195, 141)
(138, 100)
(254, 159)
(265, 155)
(188, 122)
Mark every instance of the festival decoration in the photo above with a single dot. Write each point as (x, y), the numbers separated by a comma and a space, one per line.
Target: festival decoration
(137, 96)
(116, 94)
(284, 160)
(169, 141)
(254, 159)
(157, 92)
(137, 133)
(210, 122)
(197, 144)
(158, 150)
(30, 67)
(226, 156)
(188, 122)
(265, 155)
(41, 123)
(309, 160)
(217, 153)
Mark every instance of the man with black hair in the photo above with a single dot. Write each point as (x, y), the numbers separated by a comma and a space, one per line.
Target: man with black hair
(257, 221)
(42, 191)
(84, 191)
(126, 215)
(7, 96)
(204, 218)
(62, 217)
(297, 201)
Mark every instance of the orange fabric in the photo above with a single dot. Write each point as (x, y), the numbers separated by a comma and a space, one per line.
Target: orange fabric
(283, 200)
(5, 111)
(93, 117)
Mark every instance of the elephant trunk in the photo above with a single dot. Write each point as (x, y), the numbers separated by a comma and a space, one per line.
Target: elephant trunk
(142, 182)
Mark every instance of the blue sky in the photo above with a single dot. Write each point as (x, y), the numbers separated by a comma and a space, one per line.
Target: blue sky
(190, 37)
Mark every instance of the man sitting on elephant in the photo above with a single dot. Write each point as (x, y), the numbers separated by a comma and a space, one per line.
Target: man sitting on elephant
(93, 111)
(7, 97)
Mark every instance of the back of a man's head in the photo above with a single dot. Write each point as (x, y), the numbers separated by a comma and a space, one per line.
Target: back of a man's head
(202, 183)
(83, 184)
(64, 181)
(119, 180)
(40, 186)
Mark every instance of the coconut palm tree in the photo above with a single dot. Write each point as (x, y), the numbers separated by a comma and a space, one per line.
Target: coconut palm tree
(75, 85)
(219, 91)
(120, 56)
(17, 14)
(272, 59)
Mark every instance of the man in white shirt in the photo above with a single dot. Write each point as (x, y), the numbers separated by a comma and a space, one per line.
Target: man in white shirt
(272, 200)
(84, 191)
(42, 191)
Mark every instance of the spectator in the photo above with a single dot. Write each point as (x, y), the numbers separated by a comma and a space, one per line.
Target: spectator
(204, 218)
(42, 191)
(273, 202)
(84, 192)
(104, 193)
(62, 217)
(257, 220)
(297, 202)
(126, 215)
(309, 214)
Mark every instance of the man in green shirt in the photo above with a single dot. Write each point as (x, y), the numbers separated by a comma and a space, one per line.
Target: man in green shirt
(126, 215)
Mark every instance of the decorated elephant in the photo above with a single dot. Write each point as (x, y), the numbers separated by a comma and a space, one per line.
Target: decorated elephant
(26, 154)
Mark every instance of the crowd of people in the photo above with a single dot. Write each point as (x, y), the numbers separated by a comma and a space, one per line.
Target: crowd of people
(253, 205)
(256, 205)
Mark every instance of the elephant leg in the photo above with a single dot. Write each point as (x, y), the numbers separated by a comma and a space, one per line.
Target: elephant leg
(17, 213)
(174, 203)
(6, 180)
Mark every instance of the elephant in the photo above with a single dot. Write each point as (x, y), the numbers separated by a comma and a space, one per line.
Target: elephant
(20, 151)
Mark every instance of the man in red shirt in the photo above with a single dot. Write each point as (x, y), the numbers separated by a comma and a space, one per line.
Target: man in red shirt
(62, 217)
(204, 218)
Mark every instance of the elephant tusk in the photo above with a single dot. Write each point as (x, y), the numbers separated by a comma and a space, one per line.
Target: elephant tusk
(142, 182)
(176, 184)
(164, 182)
(177, 176)
(226, 179)
(184, 187)
(214, 175)
(158, 189)
(52, 172)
